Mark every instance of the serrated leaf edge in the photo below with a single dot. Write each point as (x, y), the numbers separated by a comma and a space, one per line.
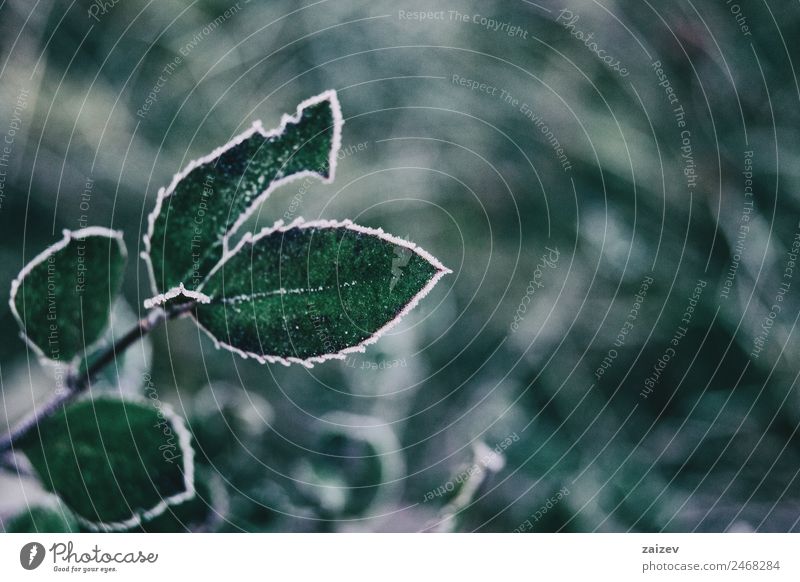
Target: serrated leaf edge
(279, 226)
(257, 127)
(187, 453)
(68, 236)
(176, 292)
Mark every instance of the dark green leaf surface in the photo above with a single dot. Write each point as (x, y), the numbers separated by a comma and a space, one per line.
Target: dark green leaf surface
(215, 194)
(114, 463)
(41, 519)
(312, 291)
(63, 297)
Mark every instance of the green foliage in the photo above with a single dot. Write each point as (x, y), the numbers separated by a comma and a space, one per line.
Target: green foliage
(305, 292)
(63, 297)
(207, 202)
(41, 519)
(476, 176)
(113, 462)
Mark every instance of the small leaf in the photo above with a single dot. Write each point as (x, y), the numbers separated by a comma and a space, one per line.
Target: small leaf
(62, 298)
(115, 463)
(206, 203)
(309, 292)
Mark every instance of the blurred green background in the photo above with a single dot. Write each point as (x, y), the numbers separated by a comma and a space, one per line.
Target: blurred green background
(473, 173)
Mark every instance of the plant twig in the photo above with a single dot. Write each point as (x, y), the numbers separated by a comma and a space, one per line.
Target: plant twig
(78, 382)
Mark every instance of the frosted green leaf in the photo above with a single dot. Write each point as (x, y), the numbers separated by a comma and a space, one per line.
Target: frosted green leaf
(309, 292)
(115, 463)
(62, 298)
(207, 202)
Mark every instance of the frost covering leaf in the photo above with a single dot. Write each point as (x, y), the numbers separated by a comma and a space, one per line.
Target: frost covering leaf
(204, 205)
(63, 297)
(115, 463)
(308, 292)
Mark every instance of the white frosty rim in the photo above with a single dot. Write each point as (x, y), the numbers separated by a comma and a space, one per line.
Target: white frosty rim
(175, 292)
(361, 347)
(69, 236)
(257, 127)
(187, 453)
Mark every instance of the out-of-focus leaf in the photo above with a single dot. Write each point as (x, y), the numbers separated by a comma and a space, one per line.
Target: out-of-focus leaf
(356, 464)
(226, 422)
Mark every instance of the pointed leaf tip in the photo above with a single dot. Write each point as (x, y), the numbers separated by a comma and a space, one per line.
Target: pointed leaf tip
(313, 291)
(205, 204)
